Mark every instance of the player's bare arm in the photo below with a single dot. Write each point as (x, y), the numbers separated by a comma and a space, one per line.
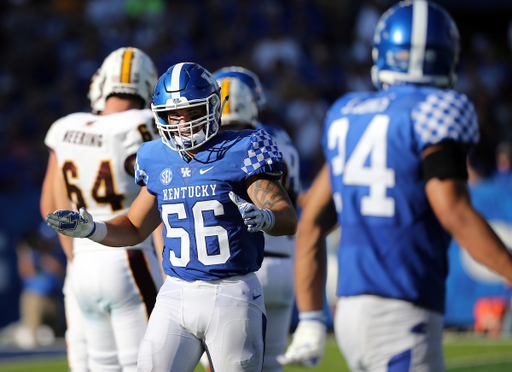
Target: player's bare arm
(451, 204)
(53, 197)
(158, 241)
(136, 225)
(317, 219)
(270, 194)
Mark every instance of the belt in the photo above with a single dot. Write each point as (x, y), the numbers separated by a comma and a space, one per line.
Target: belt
(278, 255)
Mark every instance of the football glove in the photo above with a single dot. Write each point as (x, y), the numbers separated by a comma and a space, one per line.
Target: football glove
(308, 344)
(254, 218)
(76, 225)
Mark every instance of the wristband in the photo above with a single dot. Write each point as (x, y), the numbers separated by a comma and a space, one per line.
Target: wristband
(98, 233)
(317, 315)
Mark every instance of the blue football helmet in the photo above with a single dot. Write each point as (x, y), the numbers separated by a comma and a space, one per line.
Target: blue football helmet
(182, 86)
(415, 42)
(248, 77)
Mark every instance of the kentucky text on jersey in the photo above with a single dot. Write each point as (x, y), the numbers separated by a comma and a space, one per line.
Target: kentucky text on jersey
(189, 191)
(83, 138)
(205, 237)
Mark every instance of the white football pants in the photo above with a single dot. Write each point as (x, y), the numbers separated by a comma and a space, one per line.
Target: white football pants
(225, 318)
(75, 333)
(276, 278)
(116, 290)
(386, 335)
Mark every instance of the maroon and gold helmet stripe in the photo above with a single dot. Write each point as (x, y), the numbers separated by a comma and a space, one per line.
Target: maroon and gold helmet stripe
(224, 92)
(126, 66)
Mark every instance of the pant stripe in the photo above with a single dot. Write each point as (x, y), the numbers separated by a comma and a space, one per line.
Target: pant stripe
(143, 279)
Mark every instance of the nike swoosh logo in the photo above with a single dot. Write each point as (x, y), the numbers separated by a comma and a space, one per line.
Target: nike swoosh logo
(255, 297)
(203, 171)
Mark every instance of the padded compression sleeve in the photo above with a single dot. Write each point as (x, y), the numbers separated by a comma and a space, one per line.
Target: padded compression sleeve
(447, 162)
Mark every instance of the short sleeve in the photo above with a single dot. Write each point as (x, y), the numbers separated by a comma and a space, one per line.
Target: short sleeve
(133, 140)
(445, 115)
(263, 156)
(51, 136)
(141, 177)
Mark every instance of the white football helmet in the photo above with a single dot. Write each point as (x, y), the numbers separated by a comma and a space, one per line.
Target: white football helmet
(125, 71)
(240, 107)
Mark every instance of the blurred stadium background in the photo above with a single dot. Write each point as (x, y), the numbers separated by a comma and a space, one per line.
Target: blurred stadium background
(306, 52)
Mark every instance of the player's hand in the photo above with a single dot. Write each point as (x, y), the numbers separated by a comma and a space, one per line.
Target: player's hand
(74, 224)
(254, 218)
(308, 345)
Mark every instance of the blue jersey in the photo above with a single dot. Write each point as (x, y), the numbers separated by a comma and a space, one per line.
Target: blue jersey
(205, 237)
(392, 245)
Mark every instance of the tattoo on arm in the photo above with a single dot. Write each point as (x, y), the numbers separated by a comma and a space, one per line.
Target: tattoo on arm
(266, 193)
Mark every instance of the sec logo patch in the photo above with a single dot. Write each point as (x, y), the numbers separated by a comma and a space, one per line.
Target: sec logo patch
(166, 176)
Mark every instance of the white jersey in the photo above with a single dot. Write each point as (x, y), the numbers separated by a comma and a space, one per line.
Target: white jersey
(93, 154)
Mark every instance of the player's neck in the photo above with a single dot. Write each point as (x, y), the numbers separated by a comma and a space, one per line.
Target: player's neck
(117, 104)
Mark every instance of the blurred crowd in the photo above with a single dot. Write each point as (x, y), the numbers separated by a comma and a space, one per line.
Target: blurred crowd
(306, 53)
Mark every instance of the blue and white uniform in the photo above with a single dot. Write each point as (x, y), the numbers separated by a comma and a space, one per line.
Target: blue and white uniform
(392, 254)
(392, 244)
(211, 299)
(202, 240)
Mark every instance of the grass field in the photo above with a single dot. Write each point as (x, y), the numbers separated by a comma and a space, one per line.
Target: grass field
(463, 354)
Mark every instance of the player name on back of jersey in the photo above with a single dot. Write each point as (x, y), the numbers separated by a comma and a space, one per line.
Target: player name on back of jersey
(83, 138)
(184, 192)
(357, 106)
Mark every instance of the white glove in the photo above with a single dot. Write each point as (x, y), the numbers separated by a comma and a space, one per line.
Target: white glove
(76, 225)
(254, 218)
(308, 344)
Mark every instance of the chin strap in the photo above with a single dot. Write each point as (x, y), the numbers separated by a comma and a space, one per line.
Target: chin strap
(185, 155)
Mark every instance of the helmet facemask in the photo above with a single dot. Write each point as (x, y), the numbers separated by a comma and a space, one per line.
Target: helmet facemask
(191, 134)
(185, 86)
